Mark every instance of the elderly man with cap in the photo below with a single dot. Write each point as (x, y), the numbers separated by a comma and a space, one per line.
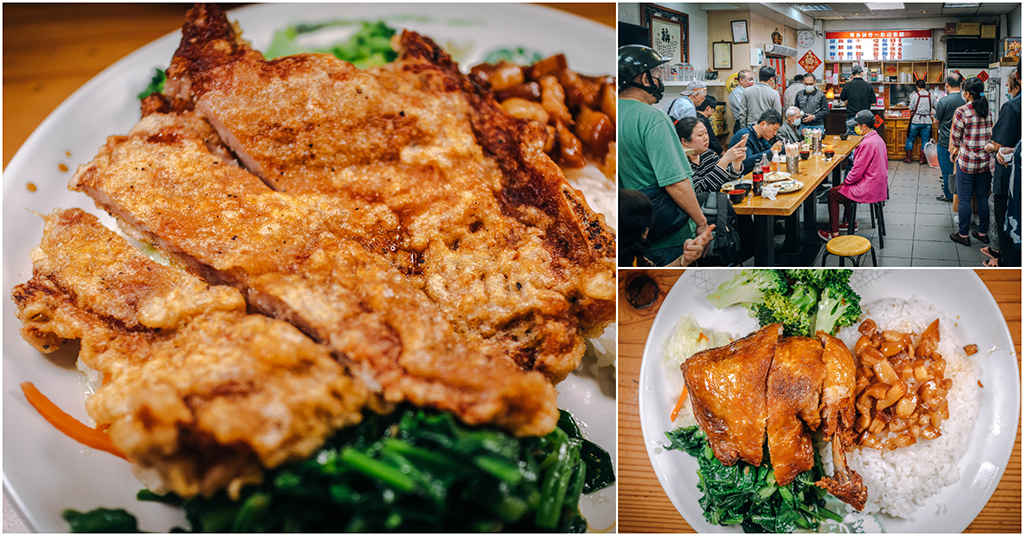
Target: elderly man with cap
(790, 130)
(867, 181)
(686, 105)
(652, 160)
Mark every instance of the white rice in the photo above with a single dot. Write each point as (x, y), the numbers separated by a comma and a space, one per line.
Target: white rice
(900, 480)
(599, 190)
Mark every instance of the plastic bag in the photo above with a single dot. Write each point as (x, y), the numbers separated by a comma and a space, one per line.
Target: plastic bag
(931, 154)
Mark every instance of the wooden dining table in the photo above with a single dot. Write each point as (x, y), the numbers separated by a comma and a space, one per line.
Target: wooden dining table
(51, 50)
(643, 504)
(813, 172)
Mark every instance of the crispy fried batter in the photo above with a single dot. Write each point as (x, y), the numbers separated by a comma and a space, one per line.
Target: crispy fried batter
(727, 389)
(164, 182)
(197, 392)
(422, 167)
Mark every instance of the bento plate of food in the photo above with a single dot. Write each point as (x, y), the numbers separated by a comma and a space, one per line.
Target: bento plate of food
(920, 446)
(776, 176)
(788, 186)
(56, 437)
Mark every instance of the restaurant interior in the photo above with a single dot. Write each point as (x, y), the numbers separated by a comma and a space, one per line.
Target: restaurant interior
(906, 53)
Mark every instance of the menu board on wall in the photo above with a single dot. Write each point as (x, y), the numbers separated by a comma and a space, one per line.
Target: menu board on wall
(887, 45)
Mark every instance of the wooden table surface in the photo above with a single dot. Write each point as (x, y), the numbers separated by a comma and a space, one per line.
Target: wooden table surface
(813, 171)
(643, 505)
(50, 50)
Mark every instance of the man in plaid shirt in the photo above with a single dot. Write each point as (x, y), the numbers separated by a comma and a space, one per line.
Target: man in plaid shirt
(971, 131)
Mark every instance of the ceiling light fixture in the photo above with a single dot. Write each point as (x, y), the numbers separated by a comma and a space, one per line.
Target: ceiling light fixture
(884, 6)
(960, 4)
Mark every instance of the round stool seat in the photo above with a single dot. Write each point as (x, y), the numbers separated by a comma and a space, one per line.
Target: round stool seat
(848, 245)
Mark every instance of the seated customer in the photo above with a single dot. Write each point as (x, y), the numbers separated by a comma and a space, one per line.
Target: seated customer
(705, 110)
(635, 214)
(710, 171)
(759, 136)
(790, 132)
(867, 180)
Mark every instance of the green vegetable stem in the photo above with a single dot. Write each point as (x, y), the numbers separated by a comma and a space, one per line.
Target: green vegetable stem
(412, 471)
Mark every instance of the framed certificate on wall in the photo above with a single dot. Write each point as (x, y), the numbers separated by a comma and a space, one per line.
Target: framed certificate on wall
(722, 56)
(739, 32)
(670, 32)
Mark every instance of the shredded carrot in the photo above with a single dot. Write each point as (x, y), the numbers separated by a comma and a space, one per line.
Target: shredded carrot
(67, 424)
(702, 337)
(679, 404)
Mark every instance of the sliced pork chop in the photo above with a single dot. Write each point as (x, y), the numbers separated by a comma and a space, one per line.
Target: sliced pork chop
(166, 184)
(198, 394)
(450, 190)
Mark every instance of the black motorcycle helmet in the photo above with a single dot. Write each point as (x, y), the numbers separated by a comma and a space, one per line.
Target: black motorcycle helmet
(636, 59)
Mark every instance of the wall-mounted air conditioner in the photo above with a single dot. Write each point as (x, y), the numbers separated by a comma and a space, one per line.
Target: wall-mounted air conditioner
(779, 51)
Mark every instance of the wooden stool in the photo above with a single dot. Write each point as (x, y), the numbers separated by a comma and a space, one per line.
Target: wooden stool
(876, 212)
(852, 246)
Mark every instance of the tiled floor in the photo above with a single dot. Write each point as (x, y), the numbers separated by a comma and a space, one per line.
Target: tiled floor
(917, 224)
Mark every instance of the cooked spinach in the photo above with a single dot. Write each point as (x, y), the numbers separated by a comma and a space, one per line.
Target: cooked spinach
(748, 495)
(412, 471)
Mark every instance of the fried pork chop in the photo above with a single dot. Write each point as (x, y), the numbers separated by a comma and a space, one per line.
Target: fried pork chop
(197, 392)
(170, 188)
(422, 167)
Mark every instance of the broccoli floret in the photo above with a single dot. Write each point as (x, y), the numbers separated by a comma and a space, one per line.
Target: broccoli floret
(748, 287)
(804, 296)
(795, 318)
(839, 307)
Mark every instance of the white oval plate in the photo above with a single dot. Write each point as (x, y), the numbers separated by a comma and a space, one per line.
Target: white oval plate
(45, 472)
(978, 320)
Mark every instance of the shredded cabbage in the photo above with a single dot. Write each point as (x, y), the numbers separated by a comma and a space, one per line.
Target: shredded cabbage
(686, 339)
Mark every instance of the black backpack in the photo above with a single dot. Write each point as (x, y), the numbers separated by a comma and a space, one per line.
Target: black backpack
(725, 242)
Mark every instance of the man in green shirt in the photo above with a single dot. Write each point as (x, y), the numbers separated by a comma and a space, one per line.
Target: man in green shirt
(650, 154)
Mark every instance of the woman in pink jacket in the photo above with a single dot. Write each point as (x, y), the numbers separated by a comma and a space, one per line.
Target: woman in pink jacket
(867, 181)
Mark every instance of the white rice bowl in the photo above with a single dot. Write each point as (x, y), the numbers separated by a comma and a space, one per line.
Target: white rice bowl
(898, 481)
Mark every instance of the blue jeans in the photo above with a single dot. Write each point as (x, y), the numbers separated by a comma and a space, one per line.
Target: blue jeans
(924, 129)
(946, 168)
(976, 184)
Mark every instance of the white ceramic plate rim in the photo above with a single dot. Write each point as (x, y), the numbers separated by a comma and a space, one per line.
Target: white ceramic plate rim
(953, 508)
(44, 472)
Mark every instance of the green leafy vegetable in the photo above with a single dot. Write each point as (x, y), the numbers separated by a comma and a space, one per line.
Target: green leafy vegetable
(370, 46)
(412, 471)
(748, 288)
(156, 84)
(747, 495)
(811, 301)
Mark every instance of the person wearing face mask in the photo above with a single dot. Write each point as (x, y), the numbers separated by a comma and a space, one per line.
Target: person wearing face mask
(920, 120)
(970, 133)
(790, 131)
(744, 79)
(760, 97)
(705, 111)
(686, 105)
(759, 136)
(650, 157)
(814, 105)
(1005, 135)
(867, 181)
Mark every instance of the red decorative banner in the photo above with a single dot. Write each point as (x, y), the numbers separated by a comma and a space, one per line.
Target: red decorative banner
(809, 62)
(983, 76)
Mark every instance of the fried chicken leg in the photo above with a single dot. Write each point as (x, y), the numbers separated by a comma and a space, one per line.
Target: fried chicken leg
(794, 405)
(838, 416)
(727, 391)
